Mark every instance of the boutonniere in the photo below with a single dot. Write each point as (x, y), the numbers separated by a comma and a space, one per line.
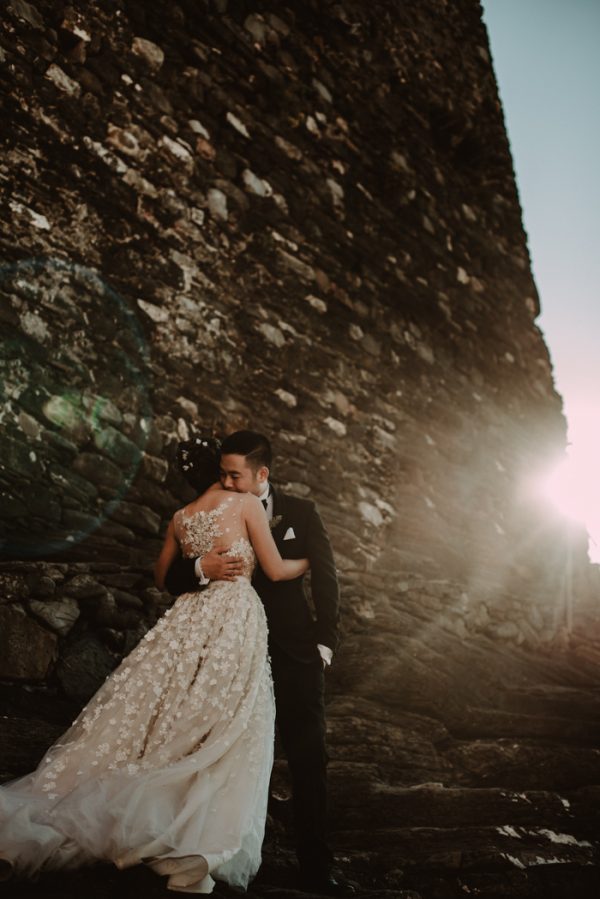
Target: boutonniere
(274, 521)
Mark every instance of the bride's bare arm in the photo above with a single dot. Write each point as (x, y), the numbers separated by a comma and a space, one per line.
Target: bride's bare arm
(168, 552)
(276, 568)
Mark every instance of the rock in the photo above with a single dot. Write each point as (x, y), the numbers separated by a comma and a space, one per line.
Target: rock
(29, 425)
(13, 586)
(75, 23)
(69, 482)
(217, 204)
(324, 92)
(289, 149)
(316, 303)
(198, 128)
(287, 398)
(296, 266)
(43, 586)
(149, 52)
(83, 586)
(28, 13)
(60, 616)
(116, 532)
(99, 470)
(272, 334)
(370, 514)
(62, 81)
(79, 522)
(156, 469)
(127, 600)
(123, 580)
(178, 149)
(337, 195)
(19, 458)
(156, 313)
(26, 649)
(137, 517)
(101, 609)
(338, 427)
(236, 123)
(257, 27)
(256, 185)
(84, 667)
(117, 447)
(67, 413)
(132, 142)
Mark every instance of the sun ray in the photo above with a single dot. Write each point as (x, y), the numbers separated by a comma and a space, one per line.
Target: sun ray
(572, 487)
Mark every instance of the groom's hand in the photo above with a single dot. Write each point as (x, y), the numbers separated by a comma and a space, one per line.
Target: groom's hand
(219, 567)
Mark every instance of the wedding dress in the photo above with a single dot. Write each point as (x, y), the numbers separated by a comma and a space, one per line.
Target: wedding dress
(169, 763)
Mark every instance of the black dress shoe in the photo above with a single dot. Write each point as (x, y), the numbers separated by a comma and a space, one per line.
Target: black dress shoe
(326, 884)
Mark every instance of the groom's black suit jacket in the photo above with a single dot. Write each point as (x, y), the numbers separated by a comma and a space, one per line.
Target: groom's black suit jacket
(292, 626)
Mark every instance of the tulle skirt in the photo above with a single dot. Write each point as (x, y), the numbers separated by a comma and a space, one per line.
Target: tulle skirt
(169, 763)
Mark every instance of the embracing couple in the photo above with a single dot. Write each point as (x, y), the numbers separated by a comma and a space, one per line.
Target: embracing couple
(169, 763)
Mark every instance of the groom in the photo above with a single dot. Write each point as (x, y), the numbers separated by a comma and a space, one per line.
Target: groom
(300, 647)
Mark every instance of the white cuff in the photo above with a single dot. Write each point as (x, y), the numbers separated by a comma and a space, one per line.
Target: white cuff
(326, 653)
(203, 580)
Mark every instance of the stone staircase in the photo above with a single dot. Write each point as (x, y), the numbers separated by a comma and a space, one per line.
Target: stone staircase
(433, 797)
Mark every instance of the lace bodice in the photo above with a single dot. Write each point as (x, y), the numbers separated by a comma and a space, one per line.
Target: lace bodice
(222, 526)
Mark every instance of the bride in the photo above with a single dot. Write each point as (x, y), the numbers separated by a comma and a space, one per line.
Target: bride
(169, 763)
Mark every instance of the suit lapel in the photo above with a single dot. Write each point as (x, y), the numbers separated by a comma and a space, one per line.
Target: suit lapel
(279, 510)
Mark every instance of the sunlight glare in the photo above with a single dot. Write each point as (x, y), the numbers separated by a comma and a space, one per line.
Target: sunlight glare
(573, 488)
(564, 486)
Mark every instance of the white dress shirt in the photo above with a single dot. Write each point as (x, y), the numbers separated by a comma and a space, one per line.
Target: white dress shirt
(268, 496)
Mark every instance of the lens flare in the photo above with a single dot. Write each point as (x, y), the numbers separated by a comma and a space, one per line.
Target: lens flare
(74, 378)
(563, 486)
(572, 487)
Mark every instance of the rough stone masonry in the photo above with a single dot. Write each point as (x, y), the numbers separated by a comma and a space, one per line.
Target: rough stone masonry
(300, 217)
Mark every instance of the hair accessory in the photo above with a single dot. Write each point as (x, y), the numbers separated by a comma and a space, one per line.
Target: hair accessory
(198, 460)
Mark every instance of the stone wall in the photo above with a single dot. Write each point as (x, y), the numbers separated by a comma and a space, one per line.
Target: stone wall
(301, 217)
(297, 217)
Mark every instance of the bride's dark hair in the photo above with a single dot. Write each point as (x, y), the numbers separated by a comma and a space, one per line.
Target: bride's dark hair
(198, 460)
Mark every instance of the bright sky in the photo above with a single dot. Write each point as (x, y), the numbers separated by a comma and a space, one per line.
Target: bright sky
(547, 62)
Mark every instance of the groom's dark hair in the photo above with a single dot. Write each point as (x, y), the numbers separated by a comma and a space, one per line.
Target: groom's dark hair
(254, 446)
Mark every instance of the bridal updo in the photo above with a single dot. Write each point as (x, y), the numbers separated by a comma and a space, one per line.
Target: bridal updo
(198, 461)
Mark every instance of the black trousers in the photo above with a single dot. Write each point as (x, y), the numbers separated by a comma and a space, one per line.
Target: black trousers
(300, 717)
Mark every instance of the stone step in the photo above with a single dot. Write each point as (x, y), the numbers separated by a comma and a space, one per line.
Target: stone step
(467, 848)
(368, 802)
(485, 722)
(523, 764)
(553, 700)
